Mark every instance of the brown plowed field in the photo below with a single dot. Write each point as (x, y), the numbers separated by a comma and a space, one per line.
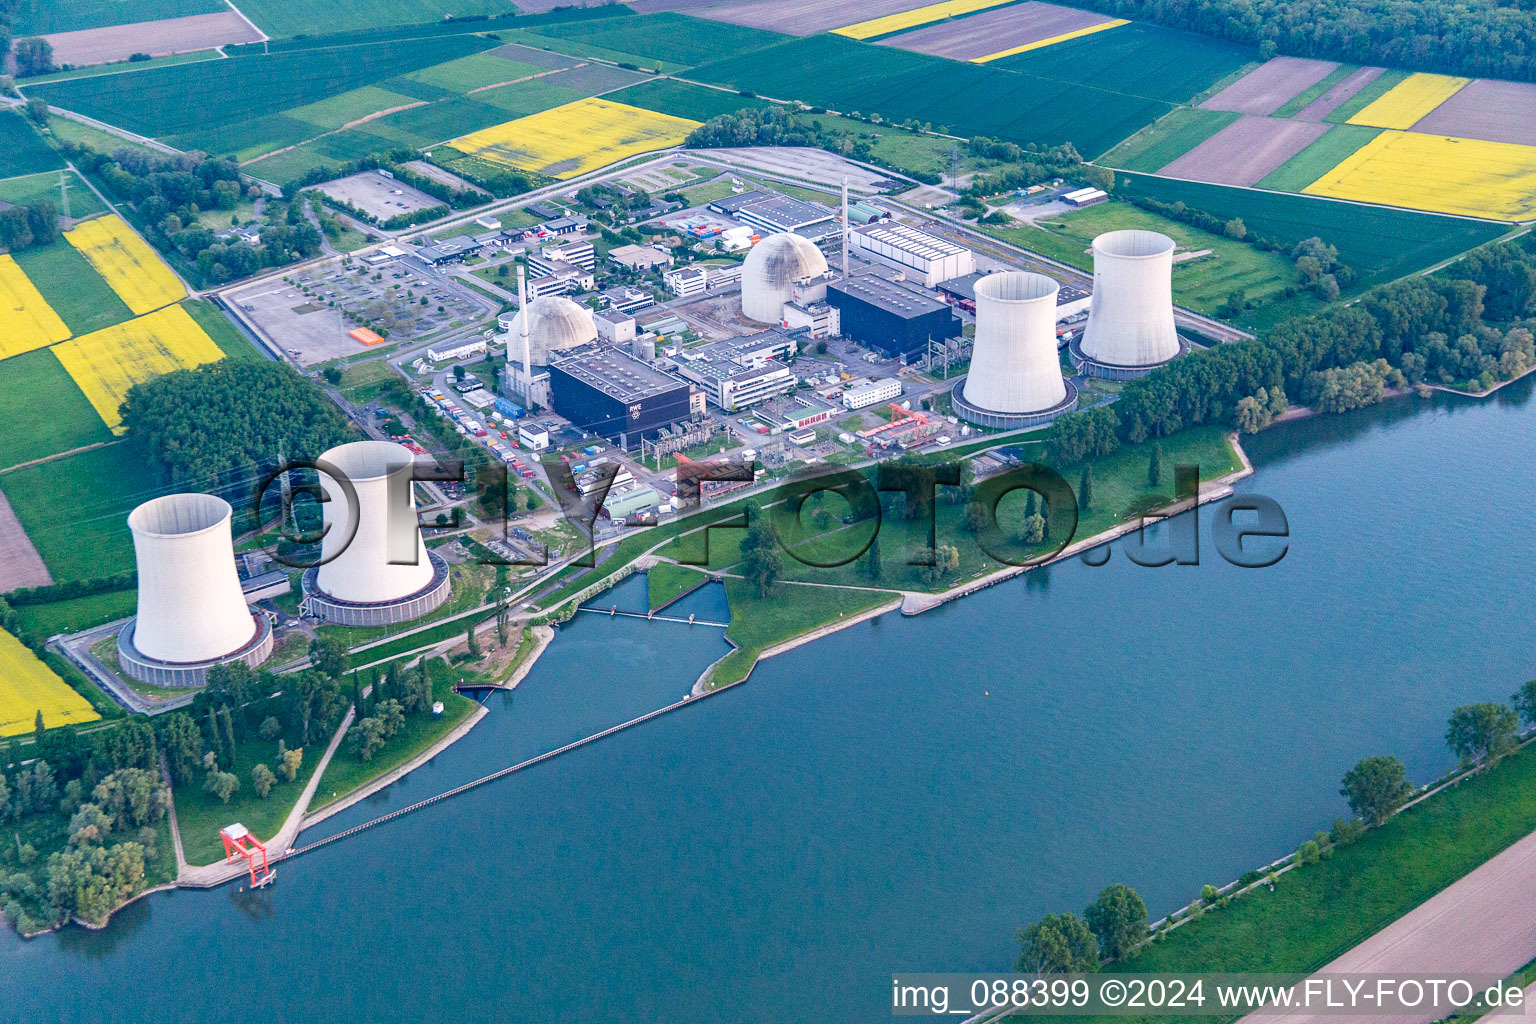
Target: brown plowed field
(803, 17)
(1488, 110)
(156, 38)
(995, 30)
(1265, 89)
(1245, 151)
(1330, 100)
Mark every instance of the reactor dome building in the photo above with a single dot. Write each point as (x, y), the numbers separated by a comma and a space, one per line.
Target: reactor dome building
(554, 323)
(375, 569)
(191, 612)
(772, 269)
(1130, 327)
(1015, 377)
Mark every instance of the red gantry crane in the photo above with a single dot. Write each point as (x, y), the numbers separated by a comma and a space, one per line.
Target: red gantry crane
(240, 844)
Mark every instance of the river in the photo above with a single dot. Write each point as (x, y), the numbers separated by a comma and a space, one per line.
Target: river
(900, 796)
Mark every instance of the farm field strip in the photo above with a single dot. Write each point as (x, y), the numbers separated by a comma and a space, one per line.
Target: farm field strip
(1041, 44)
(157, 38)
(1493, 111)
(127, 263)
(28, 686)
(801, 17)
(915, 17)
(1336, 145)
(570, 140)
(670, 39)
(22, 149)
(1265, 89)
(45, 19)
(993, 31)
(27, 322)
(1410, 101)
(25, 435)
(107, 363)
(1245, 151)
(1468, 177)
(1373, 89)
(1168, 138)
(1338, 94)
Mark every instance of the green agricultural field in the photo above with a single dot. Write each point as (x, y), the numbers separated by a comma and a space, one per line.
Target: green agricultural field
(223, 331)
(75, 291)
(331, 114)
(77, 613)
(1373, 91)
(669, 96)
(1160, 143)
(22, 150)
(968, 99)
(82, 201)
(279, 18)
(68, 130)
(42, 412)
(668, 37)
(188, 99)
(1380, 243)
(44, 17)
(1296, 104)
(587, 51)
(474, 72)
(290, 165)
(1200, 284)
(75, 509)
(382, 30)
(1317, 159)
(530, 97)
(1139, 59)
(118, 67)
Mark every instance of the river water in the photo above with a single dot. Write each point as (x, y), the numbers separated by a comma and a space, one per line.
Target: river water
(900, 796)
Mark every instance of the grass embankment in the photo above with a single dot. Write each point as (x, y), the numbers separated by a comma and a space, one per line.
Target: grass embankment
(788, 611)
(1167, 139)
(1319, 911)
(200, 814)
(668, 582)
(347, 771)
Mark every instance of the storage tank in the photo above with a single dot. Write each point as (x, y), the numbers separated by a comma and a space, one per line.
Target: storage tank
(356, 547)
(1014, 366)
(190, 604)
(770, 272)
(1130, 320)
(554, 323)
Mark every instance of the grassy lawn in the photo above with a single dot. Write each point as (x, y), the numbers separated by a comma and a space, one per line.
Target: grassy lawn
(1200, 284)
(469, 583)
(1168, 138)
(42, 412)
(363, 382)
(101, 141)
(82, 201)
(787, 612)
(76, 614)
(702, 195)
(200, 815)
(346, 772)
(1319, 911)
(1319, 158)
(223, 331)
(76, 292)
(668, 582)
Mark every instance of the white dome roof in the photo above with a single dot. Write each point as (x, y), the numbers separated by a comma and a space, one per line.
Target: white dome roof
(773, 266)
(554, 323)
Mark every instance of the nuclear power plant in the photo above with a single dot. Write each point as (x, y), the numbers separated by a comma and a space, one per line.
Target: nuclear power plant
(554, 323)
(771, 271)
(191, 614)
(1130, 328)
(375, 568)
(1015, 377)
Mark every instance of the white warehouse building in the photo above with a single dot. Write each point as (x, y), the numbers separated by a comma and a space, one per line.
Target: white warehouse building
(884, 390)
(934, 259)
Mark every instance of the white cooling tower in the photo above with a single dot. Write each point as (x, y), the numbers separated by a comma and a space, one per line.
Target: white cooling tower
(554, 323)
(1130, 321)
(191, 608)
(1014, 366)
(361, 572)
(769, 274)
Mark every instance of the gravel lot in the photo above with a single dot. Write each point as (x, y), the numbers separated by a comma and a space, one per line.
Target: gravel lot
(371, 193)
(995, 30)
(1245, 150)
(1265, 89)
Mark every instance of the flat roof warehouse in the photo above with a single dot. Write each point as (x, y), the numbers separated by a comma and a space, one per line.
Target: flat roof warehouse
(610, 371)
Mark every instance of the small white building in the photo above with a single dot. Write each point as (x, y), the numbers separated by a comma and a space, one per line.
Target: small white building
(461, 351)
(933, 259)
(533, 438)
(639, 257)
(614, 326)
(686, 282)
(874, 392)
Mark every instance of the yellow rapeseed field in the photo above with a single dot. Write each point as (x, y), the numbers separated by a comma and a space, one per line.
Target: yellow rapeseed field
(26, 320)
(107, 363)
(28, 686)
(1407, 102)
(1052, 41)
(127, 263)
(1496, 180)
(919, 16)
(573, 139)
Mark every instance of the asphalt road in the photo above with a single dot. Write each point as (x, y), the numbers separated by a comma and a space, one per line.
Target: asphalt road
(1484, 923)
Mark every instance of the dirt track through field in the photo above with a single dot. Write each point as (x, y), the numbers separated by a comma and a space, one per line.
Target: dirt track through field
(156, 38)
(20, 564)
(995, 30)
(1265, 89)
(1329, 101)
(1245, 151)
(1488, 110)
(804, 17)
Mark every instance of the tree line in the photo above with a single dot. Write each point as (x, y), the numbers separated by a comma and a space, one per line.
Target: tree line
(1467, 37)
(779, 126)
